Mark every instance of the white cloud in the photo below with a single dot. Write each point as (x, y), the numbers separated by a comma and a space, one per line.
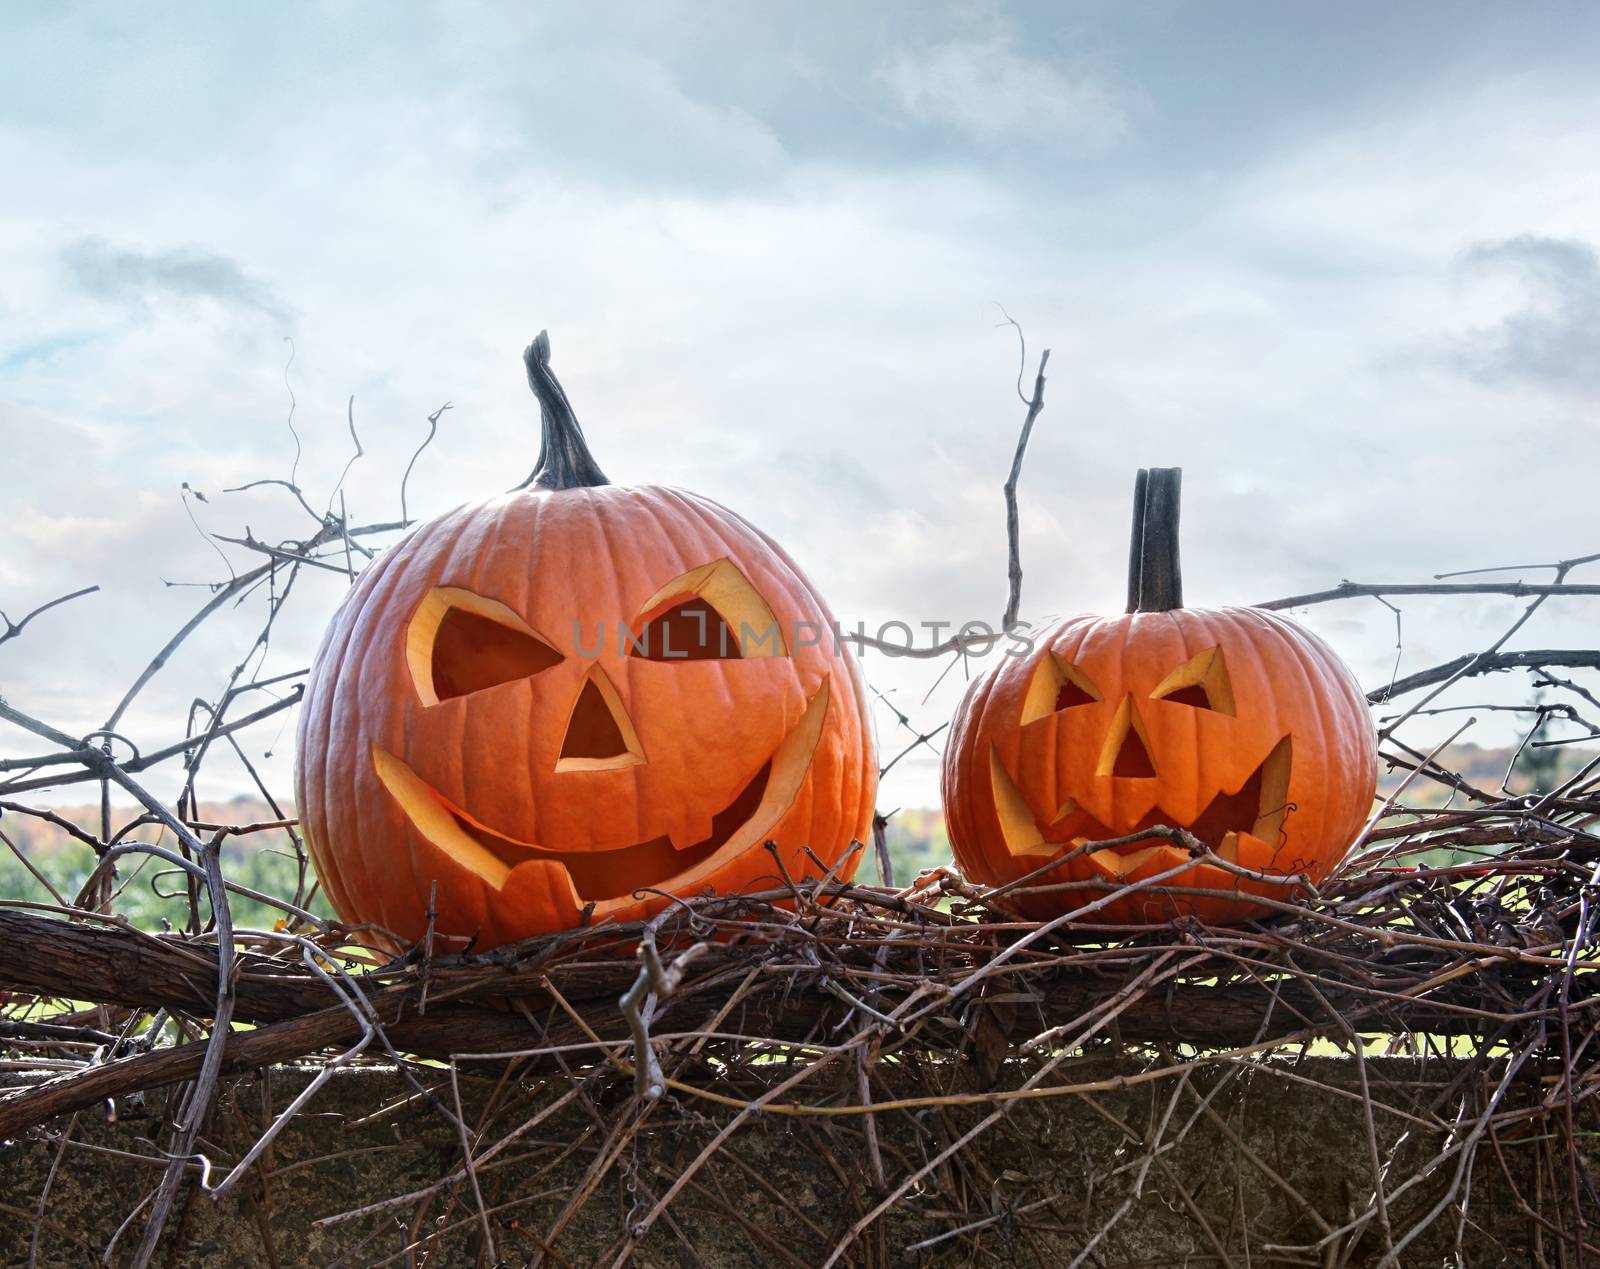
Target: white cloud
(127, 275)
(993, 92)
(1550, 335)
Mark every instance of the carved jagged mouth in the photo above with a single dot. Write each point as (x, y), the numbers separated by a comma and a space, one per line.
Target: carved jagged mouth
(609, 877)
(610, 874)
(1244, 826)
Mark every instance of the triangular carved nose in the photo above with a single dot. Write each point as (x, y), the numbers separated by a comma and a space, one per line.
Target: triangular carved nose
(1124, 753)
(600, 734)
(1133, 759)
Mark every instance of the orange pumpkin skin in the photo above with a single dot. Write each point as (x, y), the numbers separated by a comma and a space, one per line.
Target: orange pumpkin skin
(429, 762)
(1193, 706)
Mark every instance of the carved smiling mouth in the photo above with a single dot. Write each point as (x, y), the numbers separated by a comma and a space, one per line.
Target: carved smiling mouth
(1244, 826)
(608, 877)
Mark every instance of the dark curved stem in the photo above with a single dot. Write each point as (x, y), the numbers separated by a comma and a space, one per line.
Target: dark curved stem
(564, 458)
(1155, 578)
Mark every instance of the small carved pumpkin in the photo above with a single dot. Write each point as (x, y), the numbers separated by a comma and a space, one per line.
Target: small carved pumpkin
(1235, 724)
(572, 701)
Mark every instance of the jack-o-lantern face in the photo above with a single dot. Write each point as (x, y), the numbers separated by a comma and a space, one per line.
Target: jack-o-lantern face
(577, 701)
(1235, 724)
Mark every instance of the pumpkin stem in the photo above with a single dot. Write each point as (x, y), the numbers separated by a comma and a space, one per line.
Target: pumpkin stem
(564, 458)
(1155, 579)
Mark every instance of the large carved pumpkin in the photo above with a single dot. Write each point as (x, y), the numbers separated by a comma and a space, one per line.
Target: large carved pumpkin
(1234, 723)
(572, 701)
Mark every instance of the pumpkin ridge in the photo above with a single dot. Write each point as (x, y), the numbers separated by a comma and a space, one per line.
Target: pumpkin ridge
(796, 589)
(1337, 679)
(1187, 629)
(616, 569)
(350, 658)
(678, 564)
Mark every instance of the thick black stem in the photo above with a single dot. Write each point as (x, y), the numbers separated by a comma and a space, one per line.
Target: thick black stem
(564, 458)
(1155, 578)
(1141, 484)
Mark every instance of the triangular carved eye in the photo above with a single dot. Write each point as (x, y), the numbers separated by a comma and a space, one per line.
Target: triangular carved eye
(459, 643)
(1057, 685)
(710, 614)
(689, 630)
(1072, 693)
(1201, 682)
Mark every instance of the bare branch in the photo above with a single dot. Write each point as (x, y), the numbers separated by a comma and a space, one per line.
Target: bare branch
(433, 428)
(15, 628)
(1475, 664)
(1353, 590)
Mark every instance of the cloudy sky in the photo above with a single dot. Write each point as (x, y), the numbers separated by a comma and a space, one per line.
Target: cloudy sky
(1337, 261)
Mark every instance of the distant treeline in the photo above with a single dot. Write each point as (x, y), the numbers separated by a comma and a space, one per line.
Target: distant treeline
(152, 892)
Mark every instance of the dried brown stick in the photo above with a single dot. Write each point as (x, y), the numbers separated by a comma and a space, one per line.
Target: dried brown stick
(1535, 659)
(279, 1042)
(48, 957)
(638, 1003)
(183, 748)
(240, 584)
(1013, 526)
(15, 628)
(1353, 590)
(1475, 663)
(205, 1081)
